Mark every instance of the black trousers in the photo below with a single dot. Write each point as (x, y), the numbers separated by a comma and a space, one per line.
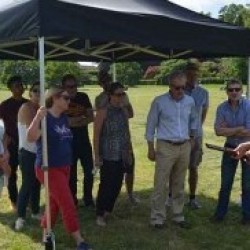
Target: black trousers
(13, 162)
(30, 188)
(82, 150)
(111, 176)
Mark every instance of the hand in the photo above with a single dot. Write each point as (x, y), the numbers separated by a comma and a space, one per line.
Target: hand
(240, 151)
(151, 154)
(41, 113)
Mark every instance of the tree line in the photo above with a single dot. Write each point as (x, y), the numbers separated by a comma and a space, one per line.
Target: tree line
(212, 71)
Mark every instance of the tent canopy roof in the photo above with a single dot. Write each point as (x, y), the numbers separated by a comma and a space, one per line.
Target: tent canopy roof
(111, 30)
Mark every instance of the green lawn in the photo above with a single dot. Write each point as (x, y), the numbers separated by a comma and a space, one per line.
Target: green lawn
(129, 228)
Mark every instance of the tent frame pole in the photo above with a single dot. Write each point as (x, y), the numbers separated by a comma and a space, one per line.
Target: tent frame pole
(44, 134)
(248, 84)
(114, 72)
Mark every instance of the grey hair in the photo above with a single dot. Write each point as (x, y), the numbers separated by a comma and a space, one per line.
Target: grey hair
(174, 75)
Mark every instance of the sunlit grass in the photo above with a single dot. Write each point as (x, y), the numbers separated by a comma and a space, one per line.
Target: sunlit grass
(129, 228)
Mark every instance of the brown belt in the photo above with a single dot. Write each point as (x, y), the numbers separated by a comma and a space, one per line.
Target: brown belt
(176, 143)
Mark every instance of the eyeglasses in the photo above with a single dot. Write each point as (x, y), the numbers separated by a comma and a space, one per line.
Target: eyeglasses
(65, 97)
(234, 89)
(70, 86)
(178, 87)
(119, 94)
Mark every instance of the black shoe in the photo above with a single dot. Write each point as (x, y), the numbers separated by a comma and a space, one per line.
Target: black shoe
(182, 224)
(216, 219)
(158, 225)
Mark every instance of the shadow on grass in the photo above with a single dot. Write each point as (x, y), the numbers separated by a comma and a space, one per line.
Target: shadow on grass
(128, 229)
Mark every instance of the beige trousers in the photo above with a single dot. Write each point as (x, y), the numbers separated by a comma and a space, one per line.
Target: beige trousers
(175, 159)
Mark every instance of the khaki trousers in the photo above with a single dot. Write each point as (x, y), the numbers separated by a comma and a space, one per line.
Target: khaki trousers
(175, 159)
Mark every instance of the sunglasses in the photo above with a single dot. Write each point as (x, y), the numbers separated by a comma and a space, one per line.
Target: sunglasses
(65, 97)
(178, 87)
(119, 94)
(234, 89)
(71, 86)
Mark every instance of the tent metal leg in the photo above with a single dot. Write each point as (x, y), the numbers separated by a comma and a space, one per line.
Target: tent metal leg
(248, 84)
(50, 240)
(114, 73)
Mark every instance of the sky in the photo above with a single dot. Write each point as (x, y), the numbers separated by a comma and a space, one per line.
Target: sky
(212, 6)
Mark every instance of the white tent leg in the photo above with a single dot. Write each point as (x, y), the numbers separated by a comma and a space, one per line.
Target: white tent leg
(248, 84)
(114, 73)
(44, 134)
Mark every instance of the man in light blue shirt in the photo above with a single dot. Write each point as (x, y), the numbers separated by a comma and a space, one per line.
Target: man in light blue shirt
(172, 121)
(233, 122)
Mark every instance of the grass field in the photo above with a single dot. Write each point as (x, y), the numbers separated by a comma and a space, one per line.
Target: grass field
(129, 228)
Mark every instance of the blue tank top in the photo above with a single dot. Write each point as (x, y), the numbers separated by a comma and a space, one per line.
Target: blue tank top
(59, 142)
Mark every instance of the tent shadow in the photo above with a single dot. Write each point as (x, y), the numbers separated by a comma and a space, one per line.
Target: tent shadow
(128, 228)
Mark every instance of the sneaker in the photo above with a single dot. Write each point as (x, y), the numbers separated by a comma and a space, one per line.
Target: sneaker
(133, 199)
(83, 246)
(194, 204)
(100, 221)
(36, 216)
(19, 224)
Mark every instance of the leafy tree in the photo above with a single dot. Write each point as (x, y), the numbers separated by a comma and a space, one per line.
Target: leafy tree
(29, 70)
(167, 66)
(56, 70)
(240, 15)
(232, 13)
(129, 73)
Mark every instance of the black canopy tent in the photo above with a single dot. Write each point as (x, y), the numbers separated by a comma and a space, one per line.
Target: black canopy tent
(111, 30)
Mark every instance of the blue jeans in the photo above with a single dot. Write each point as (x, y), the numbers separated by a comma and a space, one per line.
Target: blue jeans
(228, 169)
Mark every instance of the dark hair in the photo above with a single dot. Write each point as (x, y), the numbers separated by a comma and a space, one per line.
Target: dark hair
(67, 78)
(114, 86)
(33, 85)
(14, 79)
(192, 66)
(104, 77)
(233, 81)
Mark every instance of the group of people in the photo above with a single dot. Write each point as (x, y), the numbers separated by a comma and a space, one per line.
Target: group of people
(174, 135)
(68, 113)
(173, 132)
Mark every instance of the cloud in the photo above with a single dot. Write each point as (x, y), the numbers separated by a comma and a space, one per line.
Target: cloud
(207, 5)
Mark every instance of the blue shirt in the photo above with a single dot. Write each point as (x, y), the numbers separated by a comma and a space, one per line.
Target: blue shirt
(172, 120)
(234, 118)
(201, 99)
(59, 142)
